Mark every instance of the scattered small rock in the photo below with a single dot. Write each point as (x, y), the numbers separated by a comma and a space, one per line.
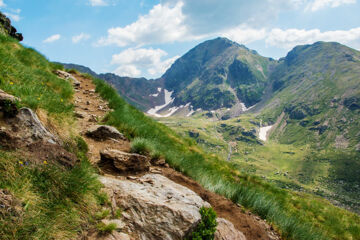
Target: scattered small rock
(80, 114)
(103, 132)
(124, 162)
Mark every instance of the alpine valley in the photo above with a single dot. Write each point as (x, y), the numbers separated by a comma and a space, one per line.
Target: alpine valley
(294, 121)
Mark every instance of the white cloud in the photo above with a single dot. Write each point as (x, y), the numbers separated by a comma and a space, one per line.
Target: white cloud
(2, 4)
(316, 5)
(244, 34)
(132, 62)
(163, 23)
(161, 67)
(80, 37)
(52, 38)
(96, 3)
(128, 71)
(289, 38)
(13, 17)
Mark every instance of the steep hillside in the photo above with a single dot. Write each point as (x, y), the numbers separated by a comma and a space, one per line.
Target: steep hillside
(317, 87)
(218, 73)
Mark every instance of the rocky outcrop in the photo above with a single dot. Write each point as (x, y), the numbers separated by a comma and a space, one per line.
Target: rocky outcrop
(5, 24)
(24, 129)
(155, 207)
(103, 132)
(225, 230)
(124, 162)
(67, 76)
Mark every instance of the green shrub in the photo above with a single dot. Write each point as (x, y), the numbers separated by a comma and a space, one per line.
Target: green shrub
(207, 226)
(102, 214)
(106, 228)
(141, 146)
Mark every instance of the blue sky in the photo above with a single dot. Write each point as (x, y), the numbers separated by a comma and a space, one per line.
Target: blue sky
(144, 37)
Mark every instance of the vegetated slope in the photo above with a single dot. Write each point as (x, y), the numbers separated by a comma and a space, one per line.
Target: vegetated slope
(317, 87)
(216, 74)
(42, 199)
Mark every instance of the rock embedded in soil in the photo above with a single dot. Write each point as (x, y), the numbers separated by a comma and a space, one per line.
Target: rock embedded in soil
(24, 129)
(225, 230)
(155, 207)
(27, 119)
(104, 132)
(124, 162)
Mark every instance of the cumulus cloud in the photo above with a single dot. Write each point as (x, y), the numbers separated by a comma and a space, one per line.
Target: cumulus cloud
(164, 23)
(289, 38)
(132, 62)
(96, 3)
(316, 5)
(80, 37)
(2, 4)
(52, 38)
(14, 17)
(244, 34)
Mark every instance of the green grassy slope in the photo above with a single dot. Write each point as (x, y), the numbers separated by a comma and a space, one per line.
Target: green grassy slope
(56, 203)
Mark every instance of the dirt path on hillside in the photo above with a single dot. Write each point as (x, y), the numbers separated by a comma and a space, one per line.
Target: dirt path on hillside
(90, 107)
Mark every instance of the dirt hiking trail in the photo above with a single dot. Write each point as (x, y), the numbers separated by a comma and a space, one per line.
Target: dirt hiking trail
(91, 108)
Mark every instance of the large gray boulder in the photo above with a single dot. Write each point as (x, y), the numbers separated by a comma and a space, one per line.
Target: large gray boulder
(155, 207)
(124, 162)
(104, 132)
(225, 230)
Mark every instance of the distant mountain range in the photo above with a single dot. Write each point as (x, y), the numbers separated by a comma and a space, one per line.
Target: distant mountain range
(314, 89)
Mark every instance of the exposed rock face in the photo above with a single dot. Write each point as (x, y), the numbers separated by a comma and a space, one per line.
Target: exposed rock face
(124, 162)
(103, 132)
(225, 230)
(5, 23)
(67, 76)
(24, 129)
(154, 207)
(27, 119)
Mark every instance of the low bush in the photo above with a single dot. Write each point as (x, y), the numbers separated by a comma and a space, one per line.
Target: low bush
(207, 226)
